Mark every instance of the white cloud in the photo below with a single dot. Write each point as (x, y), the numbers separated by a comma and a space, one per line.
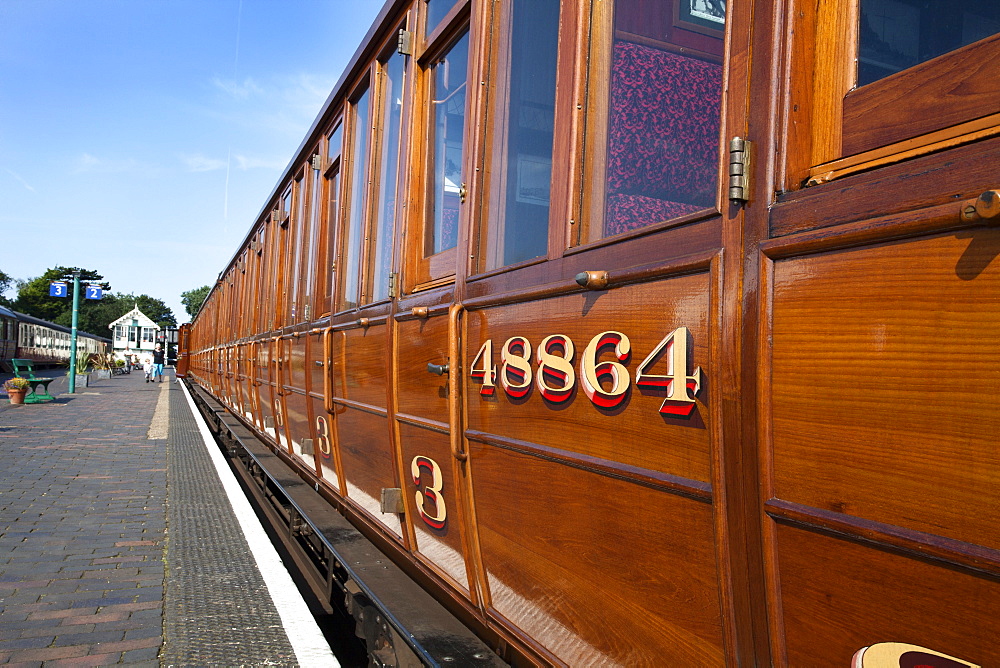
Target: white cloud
(201, 163)
(235, 89)
(24, 183)
(244, 163)
(87, 163)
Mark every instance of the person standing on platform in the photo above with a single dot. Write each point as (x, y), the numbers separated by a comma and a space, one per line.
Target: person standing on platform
(148, 364)
(158, 354)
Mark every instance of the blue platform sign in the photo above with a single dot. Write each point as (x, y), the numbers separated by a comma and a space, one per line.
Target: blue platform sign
(93, 292)
(57, 289)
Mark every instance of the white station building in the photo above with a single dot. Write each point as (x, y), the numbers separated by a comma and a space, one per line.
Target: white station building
(133, 334)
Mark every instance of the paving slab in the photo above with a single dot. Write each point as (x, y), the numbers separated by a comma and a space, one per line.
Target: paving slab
(117, 544)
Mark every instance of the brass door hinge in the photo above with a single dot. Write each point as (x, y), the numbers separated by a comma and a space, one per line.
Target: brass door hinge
(393, 280)
(740, 156)
(404, 42)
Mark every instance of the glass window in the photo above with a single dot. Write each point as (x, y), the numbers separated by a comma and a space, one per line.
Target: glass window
(522, 169)
(311, 247)
(896, 34)
(327, 272)
(448, 81)
(656, 95)
(296, 253)
(436, 11)
(351, 246)
(391, 123)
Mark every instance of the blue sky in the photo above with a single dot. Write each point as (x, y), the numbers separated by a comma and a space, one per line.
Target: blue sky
(140, 138)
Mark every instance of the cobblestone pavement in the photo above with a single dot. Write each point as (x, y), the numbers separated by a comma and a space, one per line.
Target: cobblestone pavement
(89, 573)
(82, 527)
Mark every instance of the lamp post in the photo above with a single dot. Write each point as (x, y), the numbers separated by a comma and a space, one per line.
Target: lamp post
(72, 336)
(58, 289)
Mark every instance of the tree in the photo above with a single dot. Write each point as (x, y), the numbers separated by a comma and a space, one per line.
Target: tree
(5, 285)
(193, 299)
(33, 296)
(93, 316)
(153, 308)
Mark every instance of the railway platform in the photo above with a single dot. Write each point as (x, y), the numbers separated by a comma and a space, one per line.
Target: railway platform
(118, 543)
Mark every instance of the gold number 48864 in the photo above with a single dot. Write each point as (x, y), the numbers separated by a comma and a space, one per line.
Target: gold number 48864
(603, 373)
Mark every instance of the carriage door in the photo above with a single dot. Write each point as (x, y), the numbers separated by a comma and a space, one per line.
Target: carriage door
(599, 362)
(425, 351)
(880, 386)
(359, 341)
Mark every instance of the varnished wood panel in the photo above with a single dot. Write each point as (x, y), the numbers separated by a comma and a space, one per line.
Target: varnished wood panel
(299, 426)
(418, 343)
(359, 365)
(928, 180)
(885, 392)
(635, 433)
(366, 456)
(837, 597)
(325, 444)
(440, 545)
(296, 361)
(316, 363)
(947, 90)
(596, 569)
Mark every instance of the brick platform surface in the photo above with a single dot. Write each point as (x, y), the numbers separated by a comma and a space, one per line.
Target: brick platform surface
(91, 571)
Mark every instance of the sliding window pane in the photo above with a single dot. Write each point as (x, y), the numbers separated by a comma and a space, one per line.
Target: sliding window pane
(519, 211)
(436, 11)
(392, 116)
(897, 34)
(351, 247)
(448, 79)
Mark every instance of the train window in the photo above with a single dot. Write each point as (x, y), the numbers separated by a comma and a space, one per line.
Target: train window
(894, 35)
(327, 273)
(875, 81)
(297, 254)
(444, 186)
(652, 133)
(437, 11)
(391, 82)
(311, 250)
(350, 248)
(279, 259)
(266, 317)
(523, 130)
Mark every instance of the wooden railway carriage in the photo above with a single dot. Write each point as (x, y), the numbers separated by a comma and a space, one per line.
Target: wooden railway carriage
(674, 322)
(8, 334)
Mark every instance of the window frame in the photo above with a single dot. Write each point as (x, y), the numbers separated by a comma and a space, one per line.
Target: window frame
(349, 168)
(829, 125)
(332, 216)
(427, 272)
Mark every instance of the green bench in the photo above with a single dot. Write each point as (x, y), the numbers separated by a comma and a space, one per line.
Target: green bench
(26, 369)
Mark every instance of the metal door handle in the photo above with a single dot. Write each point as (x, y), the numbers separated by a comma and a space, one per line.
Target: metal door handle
(437, 369)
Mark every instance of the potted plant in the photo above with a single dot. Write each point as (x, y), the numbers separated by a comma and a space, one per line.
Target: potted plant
(16, 389)
(102, 367)
(82, 361)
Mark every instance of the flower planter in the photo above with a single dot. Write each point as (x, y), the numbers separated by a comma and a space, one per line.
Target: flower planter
(16, 396)
(82, 379)
(103, 374)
